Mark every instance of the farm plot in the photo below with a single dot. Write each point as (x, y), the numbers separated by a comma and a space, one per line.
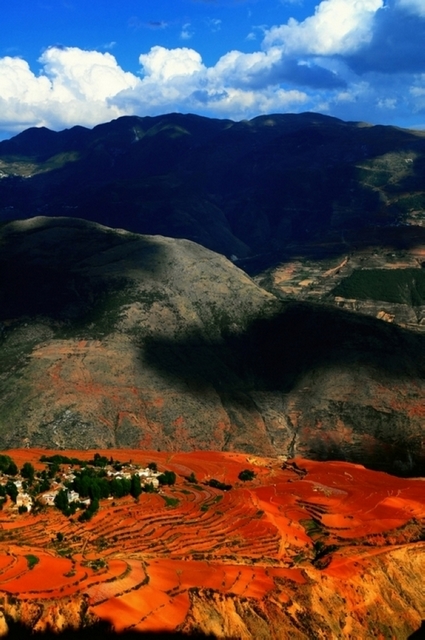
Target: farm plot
(139, 560)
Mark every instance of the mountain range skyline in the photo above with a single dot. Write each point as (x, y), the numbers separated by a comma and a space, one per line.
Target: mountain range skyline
(64, 64)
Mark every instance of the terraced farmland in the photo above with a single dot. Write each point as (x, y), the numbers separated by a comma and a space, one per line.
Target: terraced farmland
(269, 544)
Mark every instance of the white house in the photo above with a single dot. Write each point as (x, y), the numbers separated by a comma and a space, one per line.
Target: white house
(49, 498)
(73, 496)
(24, 500)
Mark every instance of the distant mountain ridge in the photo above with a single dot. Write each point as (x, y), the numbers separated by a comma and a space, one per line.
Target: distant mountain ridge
(239, 188)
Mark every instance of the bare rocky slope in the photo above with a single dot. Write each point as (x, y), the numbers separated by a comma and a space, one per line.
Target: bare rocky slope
(112, 339)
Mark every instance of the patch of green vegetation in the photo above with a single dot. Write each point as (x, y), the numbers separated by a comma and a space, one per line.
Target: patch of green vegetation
(170, 502)
(98, 563)
(216, 484)
(321, 549)
(402, 286)
(58, 161)
(7, 465)
(167, 478)
(32, 560)
(300, 557)
(411, 202)
(386, 171)
(312, 527)
(246, 475)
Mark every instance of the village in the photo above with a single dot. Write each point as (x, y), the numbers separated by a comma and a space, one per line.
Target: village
(71, 485)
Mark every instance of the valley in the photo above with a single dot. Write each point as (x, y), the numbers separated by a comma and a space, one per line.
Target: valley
(242, 306)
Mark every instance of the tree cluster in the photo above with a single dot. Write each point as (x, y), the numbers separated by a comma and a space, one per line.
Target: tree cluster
(219, 485)
(246, 474)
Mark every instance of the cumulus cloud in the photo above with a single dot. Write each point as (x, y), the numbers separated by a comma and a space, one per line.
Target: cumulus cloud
(355, 59)
(162, 64)
(177, 79)
(396, 45)
(75, 87)
(337, 27)
(88, 75)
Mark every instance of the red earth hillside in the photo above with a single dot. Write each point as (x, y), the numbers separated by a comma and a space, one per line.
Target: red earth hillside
(304, 549)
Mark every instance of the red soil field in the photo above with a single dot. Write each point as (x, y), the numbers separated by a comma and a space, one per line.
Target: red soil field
(142, 564)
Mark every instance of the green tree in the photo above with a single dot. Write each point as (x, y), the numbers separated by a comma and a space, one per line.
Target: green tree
(53, 469)
(136, 486)
(120, 487)
(32, 560)
(168, 477)
(246, 474)
(99, 461)
(28, 472)
(12, 469)
(8, 466)
(12, 490)
(61, 501)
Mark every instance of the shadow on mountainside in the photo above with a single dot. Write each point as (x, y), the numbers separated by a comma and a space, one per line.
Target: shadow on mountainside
(66, 268)
(275, 353)
(99, 631)
(419, 634)
(316, 347)
(338, 244)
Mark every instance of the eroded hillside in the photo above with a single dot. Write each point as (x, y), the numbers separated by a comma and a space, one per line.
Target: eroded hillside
(110, 339)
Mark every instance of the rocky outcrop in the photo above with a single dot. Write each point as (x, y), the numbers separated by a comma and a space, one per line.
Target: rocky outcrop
(382, 602)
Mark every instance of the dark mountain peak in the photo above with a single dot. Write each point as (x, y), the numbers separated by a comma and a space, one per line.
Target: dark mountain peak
(29, 142)
(40, 143)
(244, 187)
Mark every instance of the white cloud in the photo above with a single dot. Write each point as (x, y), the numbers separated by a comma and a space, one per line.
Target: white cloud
(186, 32)
(18, 83)
(75, 87)
(239, 103)
(238, 68)
(416, 7)
(214, 24)
(177, 79)
(337, 27)
(87, 75)
(336, 60)
(162, 64)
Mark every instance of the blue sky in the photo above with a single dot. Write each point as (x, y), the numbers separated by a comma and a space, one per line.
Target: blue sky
(67, 62)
